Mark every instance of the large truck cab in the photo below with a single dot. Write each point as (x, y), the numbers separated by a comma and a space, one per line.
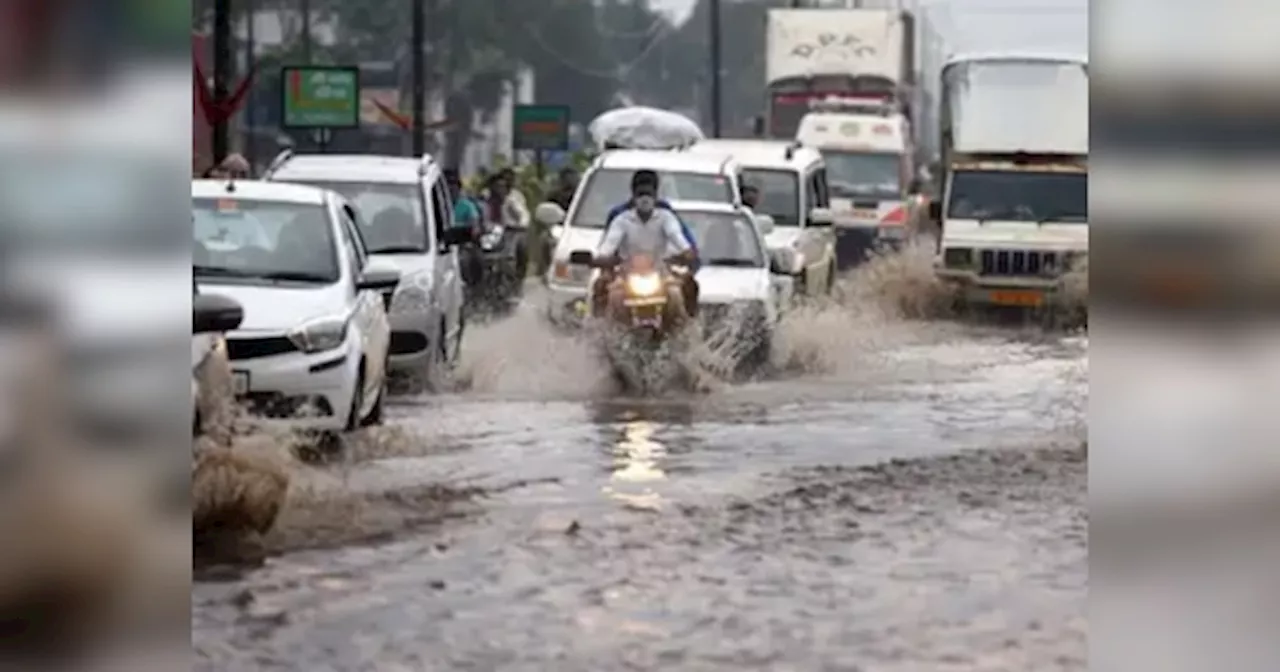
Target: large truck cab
(1013, 213)
(871, 173)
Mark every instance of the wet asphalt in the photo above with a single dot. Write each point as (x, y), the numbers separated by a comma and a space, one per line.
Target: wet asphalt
(903, 496)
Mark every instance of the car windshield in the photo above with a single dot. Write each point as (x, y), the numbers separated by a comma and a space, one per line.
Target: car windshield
(779, 195)
(391, 217)
(266, 240)
(1019, 196)
(608, 187)
(875, 175)
(725, 239)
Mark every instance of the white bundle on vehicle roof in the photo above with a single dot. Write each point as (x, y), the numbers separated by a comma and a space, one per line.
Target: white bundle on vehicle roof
(643, 128)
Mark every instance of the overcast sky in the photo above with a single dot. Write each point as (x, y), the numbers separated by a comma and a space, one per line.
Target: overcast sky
(980, 25)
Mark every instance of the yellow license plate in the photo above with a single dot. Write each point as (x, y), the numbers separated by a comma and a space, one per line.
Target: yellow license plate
(865, 214)
(1018, 298)
(580, 308)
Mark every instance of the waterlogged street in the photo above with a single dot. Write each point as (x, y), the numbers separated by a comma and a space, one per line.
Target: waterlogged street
(903, 494)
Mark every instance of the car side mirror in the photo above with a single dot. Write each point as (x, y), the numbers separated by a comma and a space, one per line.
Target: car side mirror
(935, 210)
(213, 313)
(782, 261)
(453, 236)
(581, 258)
(765, 224)
(549, 214)
(382, 280)
(821, 218)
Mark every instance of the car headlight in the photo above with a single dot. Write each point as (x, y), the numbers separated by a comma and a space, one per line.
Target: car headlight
(321, 335)
(957, 257)
(409, 299)
(644, 285)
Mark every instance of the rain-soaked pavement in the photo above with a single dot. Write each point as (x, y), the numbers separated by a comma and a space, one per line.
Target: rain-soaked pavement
(909, 496)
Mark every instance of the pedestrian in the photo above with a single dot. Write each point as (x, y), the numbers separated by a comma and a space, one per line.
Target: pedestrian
(233, 167)
(465, 212)
(566, 187)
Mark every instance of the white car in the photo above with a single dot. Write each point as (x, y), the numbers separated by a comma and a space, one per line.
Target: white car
(606, 184)
(312, 348)
(743, 287)
(792, 180)
(405, 214)
(211, 317)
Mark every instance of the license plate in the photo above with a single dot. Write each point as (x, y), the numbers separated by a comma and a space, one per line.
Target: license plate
(1016, 298)
(240, 383)
(580, 308)
(864, 214)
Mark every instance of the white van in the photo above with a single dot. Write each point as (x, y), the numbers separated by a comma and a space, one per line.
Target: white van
(871, 176)
(792, 180)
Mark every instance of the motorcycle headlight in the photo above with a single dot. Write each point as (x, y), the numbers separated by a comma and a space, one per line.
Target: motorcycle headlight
(644, 285)
(320, 335)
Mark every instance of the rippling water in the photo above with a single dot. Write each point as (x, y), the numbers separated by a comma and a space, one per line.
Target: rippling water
(537, 520)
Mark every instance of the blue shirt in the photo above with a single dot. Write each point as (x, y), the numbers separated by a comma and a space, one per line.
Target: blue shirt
(465, 213)
(688, 234)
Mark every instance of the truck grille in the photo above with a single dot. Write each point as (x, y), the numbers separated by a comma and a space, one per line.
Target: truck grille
(1020, 262)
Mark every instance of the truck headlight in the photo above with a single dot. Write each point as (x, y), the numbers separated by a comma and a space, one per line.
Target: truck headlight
(957, 257)
(320, 335)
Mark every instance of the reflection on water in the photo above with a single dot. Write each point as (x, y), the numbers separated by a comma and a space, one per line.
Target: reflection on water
(636, 459)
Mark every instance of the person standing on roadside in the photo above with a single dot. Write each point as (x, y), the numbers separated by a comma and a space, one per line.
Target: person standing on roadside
(566, 187)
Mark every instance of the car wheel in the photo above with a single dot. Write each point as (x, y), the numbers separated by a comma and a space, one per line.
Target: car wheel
(357, 401)
(456, 356)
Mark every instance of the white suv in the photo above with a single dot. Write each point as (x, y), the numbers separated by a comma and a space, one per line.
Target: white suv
(606, 184)
(405, 214)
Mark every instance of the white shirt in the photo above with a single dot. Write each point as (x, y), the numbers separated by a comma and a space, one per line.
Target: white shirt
(660, 237)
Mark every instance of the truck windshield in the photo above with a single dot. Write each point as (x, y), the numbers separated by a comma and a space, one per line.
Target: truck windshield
(1019, 196)
(875, 175)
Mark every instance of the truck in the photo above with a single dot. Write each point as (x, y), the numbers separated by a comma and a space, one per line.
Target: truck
(1013, 212)
(869, 154)
(813, 54)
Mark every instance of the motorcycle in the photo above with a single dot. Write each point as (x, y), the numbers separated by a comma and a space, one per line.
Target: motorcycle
(639, 349)
(494, 283)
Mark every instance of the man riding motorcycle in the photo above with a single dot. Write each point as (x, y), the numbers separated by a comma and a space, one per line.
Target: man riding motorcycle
(644, 230)
(650, 178)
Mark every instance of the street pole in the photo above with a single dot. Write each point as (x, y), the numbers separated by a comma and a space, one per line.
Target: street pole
(716, 101)
(306, 31)
(250, 47)
(221, 74)
(419, 79)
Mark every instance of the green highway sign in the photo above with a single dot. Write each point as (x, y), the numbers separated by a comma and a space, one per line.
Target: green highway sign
(320, 97)
(540, 127)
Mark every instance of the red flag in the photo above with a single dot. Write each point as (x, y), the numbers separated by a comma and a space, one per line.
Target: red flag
(404, 121)
(218, 111)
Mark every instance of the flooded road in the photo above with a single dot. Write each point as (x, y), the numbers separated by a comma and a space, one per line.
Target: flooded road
(904, 495)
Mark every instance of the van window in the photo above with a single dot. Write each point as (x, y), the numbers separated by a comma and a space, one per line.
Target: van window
(441, 209)
(779, 194)
(812, 196)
